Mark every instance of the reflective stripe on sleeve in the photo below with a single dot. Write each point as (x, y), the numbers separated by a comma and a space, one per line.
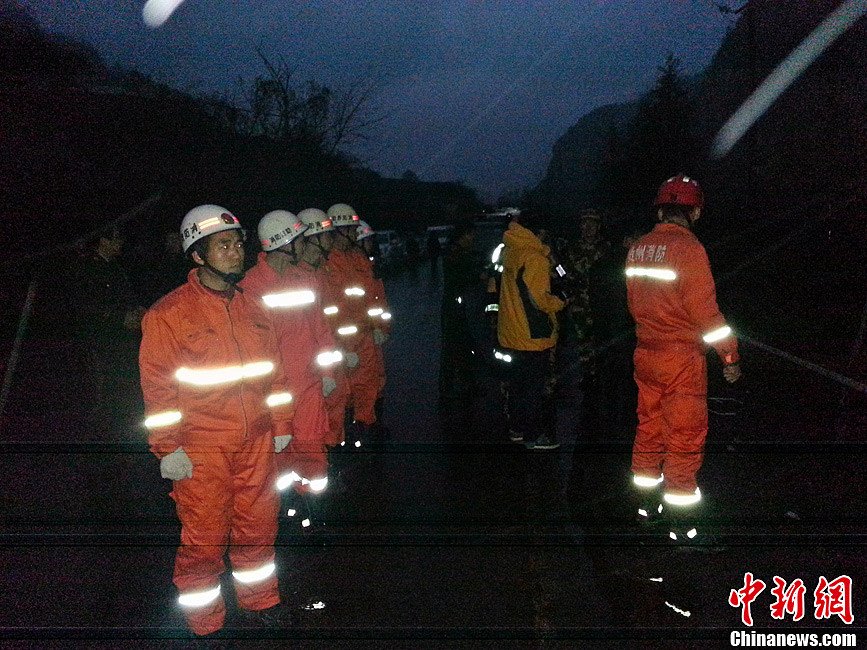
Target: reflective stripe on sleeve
(329, 358)
(495, 256)
(717, 334)
(164, 419)
(278, 399)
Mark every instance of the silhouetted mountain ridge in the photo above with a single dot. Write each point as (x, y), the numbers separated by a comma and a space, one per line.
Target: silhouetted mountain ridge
(84, 142)
(820, 120)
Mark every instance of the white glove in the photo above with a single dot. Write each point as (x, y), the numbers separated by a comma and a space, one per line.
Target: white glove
(328, 386)
(379, 337)
(281, 442)
(176, 465)
(351, 359)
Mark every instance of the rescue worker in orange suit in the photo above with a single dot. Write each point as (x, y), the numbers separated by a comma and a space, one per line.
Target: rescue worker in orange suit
(318, 238)
(217, 410)
(353, 288)
(672, 297)
(527, 331)
(379, 313)
(286, 284)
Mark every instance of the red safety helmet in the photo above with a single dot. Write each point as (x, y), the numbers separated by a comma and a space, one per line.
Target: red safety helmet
(680, 190)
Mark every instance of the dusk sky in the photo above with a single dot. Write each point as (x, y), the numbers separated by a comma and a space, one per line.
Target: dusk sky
(476, 91)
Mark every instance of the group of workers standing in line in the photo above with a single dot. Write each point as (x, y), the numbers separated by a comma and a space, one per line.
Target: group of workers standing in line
(247, 379)
(671, 297)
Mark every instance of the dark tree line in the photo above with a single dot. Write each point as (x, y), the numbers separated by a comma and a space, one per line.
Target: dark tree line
(82, 143)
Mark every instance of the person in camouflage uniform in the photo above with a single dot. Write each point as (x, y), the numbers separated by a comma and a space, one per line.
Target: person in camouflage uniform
(581, 256)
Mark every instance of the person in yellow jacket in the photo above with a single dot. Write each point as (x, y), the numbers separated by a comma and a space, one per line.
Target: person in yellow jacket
(527, 331)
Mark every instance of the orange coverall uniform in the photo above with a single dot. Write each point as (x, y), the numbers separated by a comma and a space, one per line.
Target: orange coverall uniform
(213, 385)
(350, 287)
(672, 298)
(379, 317)
(293, 300)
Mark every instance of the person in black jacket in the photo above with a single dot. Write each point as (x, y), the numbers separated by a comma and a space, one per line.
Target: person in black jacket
(107, 328)
(462, 271)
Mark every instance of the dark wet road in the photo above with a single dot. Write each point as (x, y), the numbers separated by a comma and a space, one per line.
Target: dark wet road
(450, 532)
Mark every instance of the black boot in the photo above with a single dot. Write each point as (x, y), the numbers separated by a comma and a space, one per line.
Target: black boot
(378, 431)
(358, 435)
(352, 438)
(337, 461)
(682, 529)
(277, 617)
(648, 506)
(687, 532)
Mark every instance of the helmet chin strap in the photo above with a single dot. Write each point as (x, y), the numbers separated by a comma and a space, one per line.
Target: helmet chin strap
(317, 264)
(321, 248)
(343, 232)
(231, 279)
(292, 254)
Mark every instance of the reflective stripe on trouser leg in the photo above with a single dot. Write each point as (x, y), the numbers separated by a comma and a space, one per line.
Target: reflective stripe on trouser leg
(309, 461)
(256, 588)
(646, 482)
(254, 524)
(647, 488)
(682, 501)
(204, 611)
(202, 506)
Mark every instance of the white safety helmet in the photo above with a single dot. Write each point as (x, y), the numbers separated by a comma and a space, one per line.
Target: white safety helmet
(316, 220)
(364, 231)
(206, 220)
(343, 215)
(278, 228)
